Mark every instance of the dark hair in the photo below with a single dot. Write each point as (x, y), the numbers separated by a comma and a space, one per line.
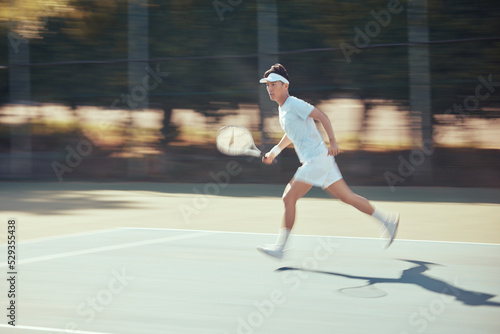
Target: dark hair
(278, 69)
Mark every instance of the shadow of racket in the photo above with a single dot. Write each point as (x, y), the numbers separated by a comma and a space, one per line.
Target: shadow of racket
(363, 291)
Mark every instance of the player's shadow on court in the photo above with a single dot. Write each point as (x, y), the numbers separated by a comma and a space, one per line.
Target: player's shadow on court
(416, 276)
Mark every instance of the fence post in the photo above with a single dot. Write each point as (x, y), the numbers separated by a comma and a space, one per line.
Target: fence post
(138, 23)
(267, 36)
(20, 94)
(420, 77)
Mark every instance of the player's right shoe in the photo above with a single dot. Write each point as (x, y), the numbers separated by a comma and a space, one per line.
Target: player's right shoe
(275, 251)
(390, 228)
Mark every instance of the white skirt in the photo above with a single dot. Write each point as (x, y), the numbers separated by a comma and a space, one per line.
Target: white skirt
(321, 171)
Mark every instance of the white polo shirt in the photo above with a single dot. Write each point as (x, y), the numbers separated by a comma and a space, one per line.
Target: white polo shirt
(301, 129)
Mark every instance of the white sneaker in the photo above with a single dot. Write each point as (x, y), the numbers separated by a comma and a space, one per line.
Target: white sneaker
(390, 228)
(275, 251)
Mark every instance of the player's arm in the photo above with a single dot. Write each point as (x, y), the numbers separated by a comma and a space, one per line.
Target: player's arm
(269, 157)
(284, 142)
(327, 125)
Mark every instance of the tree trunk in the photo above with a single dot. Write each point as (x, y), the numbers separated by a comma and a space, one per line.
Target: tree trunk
(168, 131)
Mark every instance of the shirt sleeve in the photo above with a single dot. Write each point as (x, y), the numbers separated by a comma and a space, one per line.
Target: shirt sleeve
(303, 108)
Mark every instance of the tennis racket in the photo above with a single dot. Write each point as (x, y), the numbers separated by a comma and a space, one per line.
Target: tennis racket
(237, 140)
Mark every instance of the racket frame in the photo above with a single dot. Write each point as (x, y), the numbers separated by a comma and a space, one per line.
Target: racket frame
(251, 150)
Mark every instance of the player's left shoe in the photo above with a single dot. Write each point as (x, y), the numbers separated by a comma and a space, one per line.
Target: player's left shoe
(275, 251)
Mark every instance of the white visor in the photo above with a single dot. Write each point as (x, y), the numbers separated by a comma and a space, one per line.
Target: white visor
(273, 77)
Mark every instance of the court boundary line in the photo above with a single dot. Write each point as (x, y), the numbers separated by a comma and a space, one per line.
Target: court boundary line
(114, 229)
(106, 248)
(48, 329)
(69, 235)
(305, 235)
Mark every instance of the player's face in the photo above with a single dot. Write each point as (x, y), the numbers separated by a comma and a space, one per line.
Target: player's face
(276, 89)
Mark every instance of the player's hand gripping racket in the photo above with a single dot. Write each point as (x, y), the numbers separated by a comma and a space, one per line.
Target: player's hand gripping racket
(237, 140)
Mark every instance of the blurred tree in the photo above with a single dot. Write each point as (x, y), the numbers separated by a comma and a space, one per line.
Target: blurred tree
(95, 31)
(208, 85)
(28, 18)
(456, 66)
(368, 73)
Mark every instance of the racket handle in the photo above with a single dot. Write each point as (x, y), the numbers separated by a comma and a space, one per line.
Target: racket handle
(275, 161)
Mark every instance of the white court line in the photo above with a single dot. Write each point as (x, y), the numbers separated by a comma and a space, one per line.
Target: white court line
(46, 329)
(68, 235)
(107, 248)
(305, 235)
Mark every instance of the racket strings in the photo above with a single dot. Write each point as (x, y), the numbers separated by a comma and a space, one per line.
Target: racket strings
(234, 140)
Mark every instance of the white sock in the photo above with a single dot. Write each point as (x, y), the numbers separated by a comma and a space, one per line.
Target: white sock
(282, 237)
(380, 215)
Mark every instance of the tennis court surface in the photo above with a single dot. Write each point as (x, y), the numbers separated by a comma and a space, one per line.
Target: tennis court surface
(156, 280)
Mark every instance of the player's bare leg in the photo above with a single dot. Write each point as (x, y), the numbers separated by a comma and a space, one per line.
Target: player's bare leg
(341, 190)
(389, 221)
(294, 191)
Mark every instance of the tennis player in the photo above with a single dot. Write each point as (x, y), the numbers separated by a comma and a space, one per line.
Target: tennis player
(318, 163)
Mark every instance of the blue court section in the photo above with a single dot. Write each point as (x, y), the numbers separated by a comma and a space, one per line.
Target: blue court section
(180, 281)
